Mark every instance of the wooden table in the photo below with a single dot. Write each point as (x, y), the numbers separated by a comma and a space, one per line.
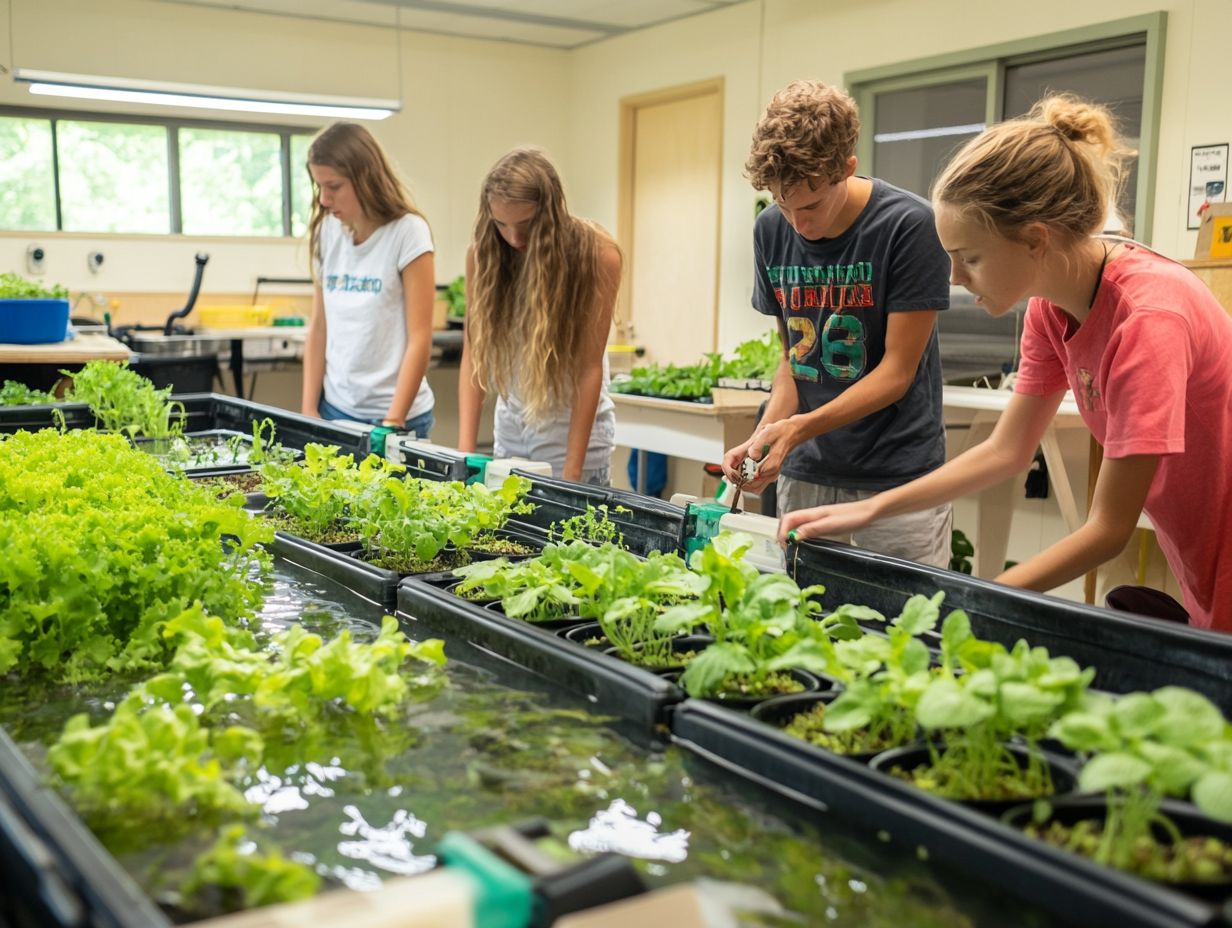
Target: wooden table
(693, 431)
(995, 505)
(89, 346)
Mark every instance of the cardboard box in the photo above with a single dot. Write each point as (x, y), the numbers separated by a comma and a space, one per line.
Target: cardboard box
(440, 314)
(1215, 232)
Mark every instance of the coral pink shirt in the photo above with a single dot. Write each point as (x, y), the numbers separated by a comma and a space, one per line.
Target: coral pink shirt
(1151, 369)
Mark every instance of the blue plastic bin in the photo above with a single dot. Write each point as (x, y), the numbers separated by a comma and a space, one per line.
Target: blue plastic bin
(33, 322)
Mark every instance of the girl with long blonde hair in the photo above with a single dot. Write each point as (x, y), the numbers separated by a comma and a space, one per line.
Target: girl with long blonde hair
(370, 335)
(541, 286)
(1143, 344)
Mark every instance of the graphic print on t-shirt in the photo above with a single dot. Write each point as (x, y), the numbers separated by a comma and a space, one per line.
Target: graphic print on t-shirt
(825, 295)
(352, 283)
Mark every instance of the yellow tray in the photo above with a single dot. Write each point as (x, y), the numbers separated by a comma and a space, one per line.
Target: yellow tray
(234, 317)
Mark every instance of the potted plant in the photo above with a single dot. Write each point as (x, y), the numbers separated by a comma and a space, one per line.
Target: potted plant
(882, 679)
(1143, 748)
(984, 712)
(766, 628)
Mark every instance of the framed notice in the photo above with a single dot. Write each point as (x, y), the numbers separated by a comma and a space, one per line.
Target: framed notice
(1208, 180)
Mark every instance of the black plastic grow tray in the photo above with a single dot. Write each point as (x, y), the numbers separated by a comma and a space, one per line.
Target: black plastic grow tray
(637, 696)
(1128, 652)
(378, 584)
(53, 871)
(649, 525)
(1071, 887)
(204, 412)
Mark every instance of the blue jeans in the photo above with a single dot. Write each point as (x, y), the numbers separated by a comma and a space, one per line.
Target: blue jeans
(421, 425)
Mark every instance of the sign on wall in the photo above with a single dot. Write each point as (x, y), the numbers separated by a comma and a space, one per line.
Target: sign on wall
(1208, 180)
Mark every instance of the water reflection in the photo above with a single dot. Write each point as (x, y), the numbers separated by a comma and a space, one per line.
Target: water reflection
(386, 847)
(618, 828)
(276, 795)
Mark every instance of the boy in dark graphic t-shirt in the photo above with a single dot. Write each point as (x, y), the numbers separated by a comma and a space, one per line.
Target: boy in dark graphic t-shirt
(852, 269)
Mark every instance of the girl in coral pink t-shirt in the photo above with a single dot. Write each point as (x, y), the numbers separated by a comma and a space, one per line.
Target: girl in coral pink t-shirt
(1143, 344)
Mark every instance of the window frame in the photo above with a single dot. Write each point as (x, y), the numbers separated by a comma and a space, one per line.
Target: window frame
(172, 127)
(991, 61)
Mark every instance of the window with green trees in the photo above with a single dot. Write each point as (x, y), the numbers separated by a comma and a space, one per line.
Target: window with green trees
(96, 172)
(27, 182)
(113, 177)
(230, 182)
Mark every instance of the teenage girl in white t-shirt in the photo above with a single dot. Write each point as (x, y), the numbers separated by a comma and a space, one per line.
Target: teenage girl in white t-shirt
(370, 336)
(540, 289)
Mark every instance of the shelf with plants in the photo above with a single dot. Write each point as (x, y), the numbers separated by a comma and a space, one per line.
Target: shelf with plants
(751, 365)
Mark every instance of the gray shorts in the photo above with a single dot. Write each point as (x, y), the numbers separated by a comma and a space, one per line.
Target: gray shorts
(916, 536)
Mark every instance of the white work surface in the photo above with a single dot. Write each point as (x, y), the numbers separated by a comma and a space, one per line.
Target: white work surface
(87, 346)
(996, 504)
(694, 431)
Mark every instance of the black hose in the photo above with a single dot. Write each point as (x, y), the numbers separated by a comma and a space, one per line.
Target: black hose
(201, 259)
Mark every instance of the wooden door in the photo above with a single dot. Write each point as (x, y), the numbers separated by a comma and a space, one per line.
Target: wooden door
(670, 186)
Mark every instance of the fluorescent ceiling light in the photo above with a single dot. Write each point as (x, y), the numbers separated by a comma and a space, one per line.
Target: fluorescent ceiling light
(199, 96)
(937, 132)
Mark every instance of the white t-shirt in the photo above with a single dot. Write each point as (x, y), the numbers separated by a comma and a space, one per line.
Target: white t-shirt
(515, 436)
(365, 314)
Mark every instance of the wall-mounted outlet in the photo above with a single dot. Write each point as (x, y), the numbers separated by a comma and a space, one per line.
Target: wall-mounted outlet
(94, 261)
(36, 259)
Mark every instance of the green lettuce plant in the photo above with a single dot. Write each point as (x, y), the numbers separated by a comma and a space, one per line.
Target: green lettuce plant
(1144, 747)
(13, 393)
(1000, 695)
(15, 287)
(124, 401)
(103, 548)
(883, 678)
(763, 624)
(245, 878)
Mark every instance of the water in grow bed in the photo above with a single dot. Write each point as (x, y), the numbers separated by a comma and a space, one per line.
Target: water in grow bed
(486, 748)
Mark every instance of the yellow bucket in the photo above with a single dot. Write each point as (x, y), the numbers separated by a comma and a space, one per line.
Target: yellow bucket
(234, 317)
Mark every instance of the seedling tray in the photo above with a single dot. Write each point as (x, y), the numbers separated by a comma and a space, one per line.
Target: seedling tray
(1128, 652)
(342, 564)
(1070, 886)
(649, 525)
(637, 696)
(204, 412)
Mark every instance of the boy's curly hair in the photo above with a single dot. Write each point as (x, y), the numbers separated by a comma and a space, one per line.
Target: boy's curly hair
(807, 133)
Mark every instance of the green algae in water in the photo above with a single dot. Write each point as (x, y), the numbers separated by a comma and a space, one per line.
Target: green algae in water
(362, 800)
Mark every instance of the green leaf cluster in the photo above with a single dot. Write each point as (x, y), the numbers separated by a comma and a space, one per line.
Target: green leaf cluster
(623, 592)
(756, 359)
(316, 492)
(297, 677)
(124, 401)
(884, 676)
(169, 750)
(982, 696)
(13, 393)
(246, 878)
(1144, 747)
(676, 381)
(415, 519)
(455, 296)
(152, 761)
(103, 548)
(762, 623)
(593, 526)
(15, 287)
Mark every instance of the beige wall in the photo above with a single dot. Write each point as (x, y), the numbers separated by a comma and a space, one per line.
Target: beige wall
(803, 38)
(465, 102)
